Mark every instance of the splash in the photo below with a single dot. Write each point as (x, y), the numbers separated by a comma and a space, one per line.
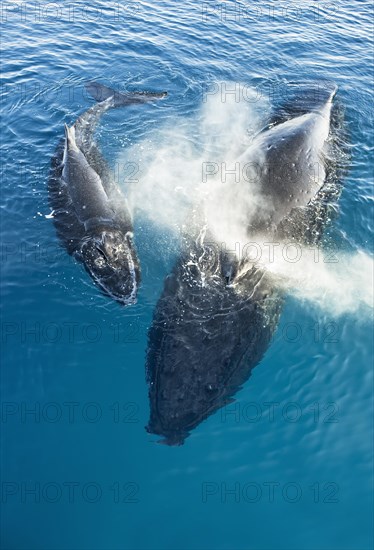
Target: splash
(335, 282)
(192, 161)
(183, 162)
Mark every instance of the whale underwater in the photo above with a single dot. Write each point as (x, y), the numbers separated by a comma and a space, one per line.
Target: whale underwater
(90, 213)
(216, 315)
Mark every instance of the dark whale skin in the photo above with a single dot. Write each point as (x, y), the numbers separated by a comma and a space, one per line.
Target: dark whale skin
(205, 339)
(207, 335)
(90, 212)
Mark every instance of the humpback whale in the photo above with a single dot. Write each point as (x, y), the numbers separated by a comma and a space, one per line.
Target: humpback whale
(90, 212)
(205, 338)
(214, 320)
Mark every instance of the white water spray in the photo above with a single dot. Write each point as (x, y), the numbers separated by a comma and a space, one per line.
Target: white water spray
(190, 161)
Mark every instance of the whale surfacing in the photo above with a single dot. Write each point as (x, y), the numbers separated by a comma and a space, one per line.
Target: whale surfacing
(91, 214)
(214, 320)
(205, 339)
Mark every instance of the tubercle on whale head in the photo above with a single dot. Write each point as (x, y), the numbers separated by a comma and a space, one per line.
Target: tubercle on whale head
(109, 256)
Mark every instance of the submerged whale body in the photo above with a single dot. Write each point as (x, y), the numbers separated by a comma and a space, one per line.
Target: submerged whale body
(205, 338)
(214, 321)
(91, 215)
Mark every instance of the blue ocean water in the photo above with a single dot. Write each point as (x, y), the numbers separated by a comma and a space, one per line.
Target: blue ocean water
(290, 464)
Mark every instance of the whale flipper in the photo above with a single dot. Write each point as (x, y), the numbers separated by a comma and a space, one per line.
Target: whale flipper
(84, 185)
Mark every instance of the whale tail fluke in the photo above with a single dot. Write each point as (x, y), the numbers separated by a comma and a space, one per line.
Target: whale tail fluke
(100, 93)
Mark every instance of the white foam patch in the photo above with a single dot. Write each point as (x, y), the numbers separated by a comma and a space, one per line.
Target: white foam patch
(176, 168)
(336, 283)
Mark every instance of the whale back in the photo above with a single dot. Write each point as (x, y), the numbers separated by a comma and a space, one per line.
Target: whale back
(287, 161)
(300, 98)
(306, 223)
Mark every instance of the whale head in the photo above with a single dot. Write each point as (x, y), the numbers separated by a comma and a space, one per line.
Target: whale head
(203, 343)
(110, 258)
